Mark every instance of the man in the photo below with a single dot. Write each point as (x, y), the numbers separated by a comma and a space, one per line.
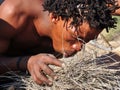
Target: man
(31, 30)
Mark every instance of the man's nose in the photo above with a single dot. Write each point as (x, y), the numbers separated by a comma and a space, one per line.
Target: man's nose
(77, 46)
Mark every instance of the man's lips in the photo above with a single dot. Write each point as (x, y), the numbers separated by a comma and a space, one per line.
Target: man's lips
(69, 53)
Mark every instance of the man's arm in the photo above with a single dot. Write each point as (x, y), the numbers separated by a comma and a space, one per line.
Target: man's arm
(37, 66)
(13, 64)
(10, 63)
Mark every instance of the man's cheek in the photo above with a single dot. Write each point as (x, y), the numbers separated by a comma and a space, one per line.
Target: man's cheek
(57, 48)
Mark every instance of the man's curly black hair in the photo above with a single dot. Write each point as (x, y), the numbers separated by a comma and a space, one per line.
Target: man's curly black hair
(96, 12)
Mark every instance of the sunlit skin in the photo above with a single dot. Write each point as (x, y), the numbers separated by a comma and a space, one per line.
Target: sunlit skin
(25, 29)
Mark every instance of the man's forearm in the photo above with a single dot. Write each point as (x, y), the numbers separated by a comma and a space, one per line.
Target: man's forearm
(13, 64)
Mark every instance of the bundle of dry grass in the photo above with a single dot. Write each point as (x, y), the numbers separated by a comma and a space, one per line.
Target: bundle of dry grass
(85, 74)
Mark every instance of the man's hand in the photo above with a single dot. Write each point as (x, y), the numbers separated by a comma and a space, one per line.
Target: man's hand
(39, 69)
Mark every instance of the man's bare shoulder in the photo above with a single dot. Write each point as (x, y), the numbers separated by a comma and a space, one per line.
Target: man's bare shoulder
(13, 7)
(16, 8)
(10, 18)
(28, 7)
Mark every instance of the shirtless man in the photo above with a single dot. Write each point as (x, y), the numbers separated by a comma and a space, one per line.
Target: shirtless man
(30, 30)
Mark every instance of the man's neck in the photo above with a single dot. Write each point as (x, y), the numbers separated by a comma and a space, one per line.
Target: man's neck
(44, 25)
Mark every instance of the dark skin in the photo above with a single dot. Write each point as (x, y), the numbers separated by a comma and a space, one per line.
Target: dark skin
(27, 30)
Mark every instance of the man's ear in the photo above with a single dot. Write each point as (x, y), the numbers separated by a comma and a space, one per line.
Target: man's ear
(53, 18)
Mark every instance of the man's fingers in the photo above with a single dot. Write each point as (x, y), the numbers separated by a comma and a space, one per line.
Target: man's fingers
(44, 79)
(48, 71)
(39, 68)
(41, 76)
(53, 61)
(34, 76)
(51, 55)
